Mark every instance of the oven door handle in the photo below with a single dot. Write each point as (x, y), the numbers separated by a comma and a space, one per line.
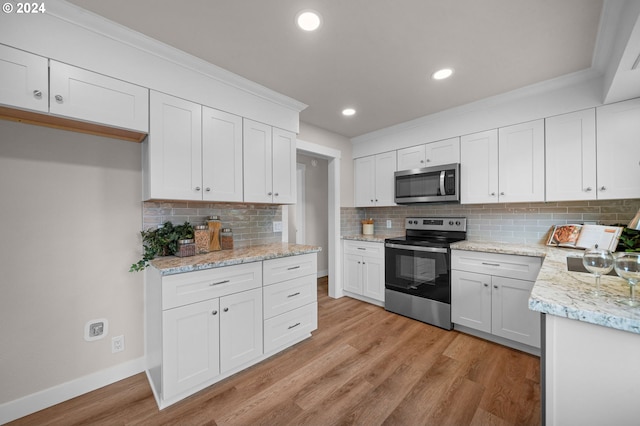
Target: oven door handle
(417, 248)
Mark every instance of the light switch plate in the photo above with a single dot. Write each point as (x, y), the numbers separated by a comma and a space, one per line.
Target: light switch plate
(277, 226)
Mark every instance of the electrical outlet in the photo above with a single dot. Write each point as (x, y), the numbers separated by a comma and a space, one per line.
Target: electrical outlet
(96, 329)
(388, 223)
(277, 226)
(117, 344)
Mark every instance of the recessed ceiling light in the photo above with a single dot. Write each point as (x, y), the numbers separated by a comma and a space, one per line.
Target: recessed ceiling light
(442, 74)
(308, 20)
(347, 112)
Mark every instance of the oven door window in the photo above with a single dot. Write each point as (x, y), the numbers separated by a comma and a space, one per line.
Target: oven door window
(422, 274)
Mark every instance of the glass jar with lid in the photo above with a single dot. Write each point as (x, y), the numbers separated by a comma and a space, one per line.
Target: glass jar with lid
(226, 239)
(186, 248)
(201, 235)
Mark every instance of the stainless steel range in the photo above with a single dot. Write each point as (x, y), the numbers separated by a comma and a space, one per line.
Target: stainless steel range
(418, 269)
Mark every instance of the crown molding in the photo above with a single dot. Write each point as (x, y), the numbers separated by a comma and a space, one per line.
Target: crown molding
(90, 21)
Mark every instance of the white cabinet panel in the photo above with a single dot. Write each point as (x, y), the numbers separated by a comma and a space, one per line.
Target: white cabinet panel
(240, 328)
(509, 319)
(89, 96)
(364, 181)
(570, 156)
(221, 156)
(25, 80)
(284, 170)
(257, 162)
(352, 280)
(173, 149)
(479, 168)
(385, 179)
(190, 350)
(374, 181)
(442, 152)
(363, 269)
(411, 158)
(287, 295)
(293, 325)
(471, 300)
(287, 268)
(618, 147)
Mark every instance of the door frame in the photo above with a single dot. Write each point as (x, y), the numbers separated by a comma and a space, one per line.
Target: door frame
(333, 157)
(300, 222)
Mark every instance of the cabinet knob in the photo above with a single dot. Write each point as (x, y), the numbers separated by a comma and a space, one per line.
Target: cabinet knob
(226, 309)
(376, 200)
(37, 94)
(486, 285)
(587, 189)
(428, 161)
(502, 193)
(276, 194)
(372, 201)
(493, 194)
(495, 286)
(59, 98)
(214, 313)
(197, 188)
(207, 189)
(422, 161)
(359, 262)
(603, 188)
(269, 194)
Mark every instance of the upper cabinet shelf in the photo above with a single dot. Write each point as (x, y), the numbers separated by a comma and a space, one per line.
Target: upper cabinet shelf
(39, 91)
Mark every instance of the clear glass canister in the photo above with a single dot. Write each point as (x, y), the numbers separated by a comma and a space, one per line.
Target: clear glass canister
(214, 225)
(226, 239)
(186, 248)
(201, 234)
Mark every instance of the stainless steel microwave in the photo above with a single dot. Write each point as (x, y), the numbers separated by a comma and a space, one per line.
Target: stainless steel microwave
(428, 185)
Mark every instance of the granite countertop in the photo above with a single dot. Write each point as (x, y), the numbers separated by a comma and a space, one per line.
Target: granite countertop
(169, 265)
(567, 294)
(375, 238)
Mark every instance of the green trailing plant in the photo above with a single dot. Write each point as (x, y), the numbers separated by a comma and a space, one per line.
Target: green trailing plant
(629, 240)
(162, 241)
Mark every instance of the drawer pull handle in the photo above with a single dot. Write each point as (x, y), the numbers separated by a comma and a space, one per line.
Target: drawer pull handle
(490, 264)
(361, 248)
(218, 283)
(294, 325)
(293, 267)
(294, 294)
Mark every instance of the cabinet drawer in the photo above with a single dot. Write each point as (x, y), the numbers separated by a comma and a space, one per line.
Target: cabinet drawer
(503, 265)
(287, 268)
(287, 295)
(364, 248)
(290, 326)
(191, 287)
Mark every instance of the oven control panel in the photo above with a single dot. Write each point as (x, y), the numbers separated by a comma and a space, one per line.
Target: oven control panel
(436, 223)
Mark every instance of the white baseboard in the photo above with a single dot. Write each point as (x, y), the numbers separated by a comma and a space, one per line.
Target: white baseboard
(323, 273)
(29, 404)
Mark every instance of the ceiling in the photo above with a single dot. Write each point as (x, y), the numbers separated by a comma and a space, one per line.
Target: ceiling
(375, 55)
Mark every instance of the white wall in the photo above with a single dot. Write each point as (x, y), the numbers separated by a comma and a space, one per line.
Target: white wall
(317, 135)
(70, 218)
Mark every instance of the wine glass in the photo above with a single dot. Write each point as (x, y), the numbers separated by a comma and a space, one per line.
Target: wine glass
(628, 267)
(598, 261)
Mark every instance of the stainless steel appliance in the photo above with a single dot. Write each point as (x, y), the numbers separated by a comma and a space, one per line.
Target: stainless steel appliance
(418, 269)
(428, 185)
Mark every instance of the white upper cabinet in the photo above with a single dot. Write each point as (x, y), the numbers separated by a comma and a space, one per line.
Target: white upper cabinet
(269, 164)
(618, 148)
(521, 162)
(173, 151)
(221, 156)
(374, 180)
(25, 80)
(88, 96)
(504, 165)
(570, 151)
(479, 167)
(431, 154)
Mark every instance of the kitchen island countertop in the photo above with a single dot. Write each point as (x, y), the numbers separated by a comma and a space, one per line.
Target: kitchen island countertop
(169, 265)
(567, 294)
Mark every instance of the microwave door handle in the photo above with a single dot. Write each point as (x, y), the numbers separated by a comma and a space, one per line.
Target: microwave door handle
(443, 191)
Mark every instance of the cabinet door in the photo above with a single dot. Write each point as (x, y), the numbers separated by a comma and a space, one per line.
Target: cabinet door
(479, 168)
(619, 150)
(411, 158)
(173, 154)
(521, 162)
(471, 300)
(284, 166)
(373, 278)
(221, 156)
(511, 316)
(364, 181)
(570, 152)
(190, 346)
(240, 328)
(257, 162)
(352, 276)
(89, 96)
(25, 80)
(385, 167)
(442, 152)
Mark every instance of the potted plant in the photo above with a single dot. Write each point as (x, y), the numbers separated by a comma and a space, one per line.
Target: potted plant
(162, 241)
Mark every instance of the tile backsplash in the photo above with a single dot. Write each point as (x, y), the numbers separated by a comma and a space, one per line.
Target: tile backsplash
(252, 224)
(526, 223)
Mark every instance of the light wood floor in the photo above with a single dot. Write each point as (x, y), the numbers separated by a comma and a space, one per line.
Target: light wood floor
(362, 366)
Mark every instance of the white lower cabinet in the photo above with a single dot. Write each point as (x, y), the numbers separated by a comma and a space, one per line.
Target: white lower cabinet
(490, 294)
(363, 270)
(203, 326)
